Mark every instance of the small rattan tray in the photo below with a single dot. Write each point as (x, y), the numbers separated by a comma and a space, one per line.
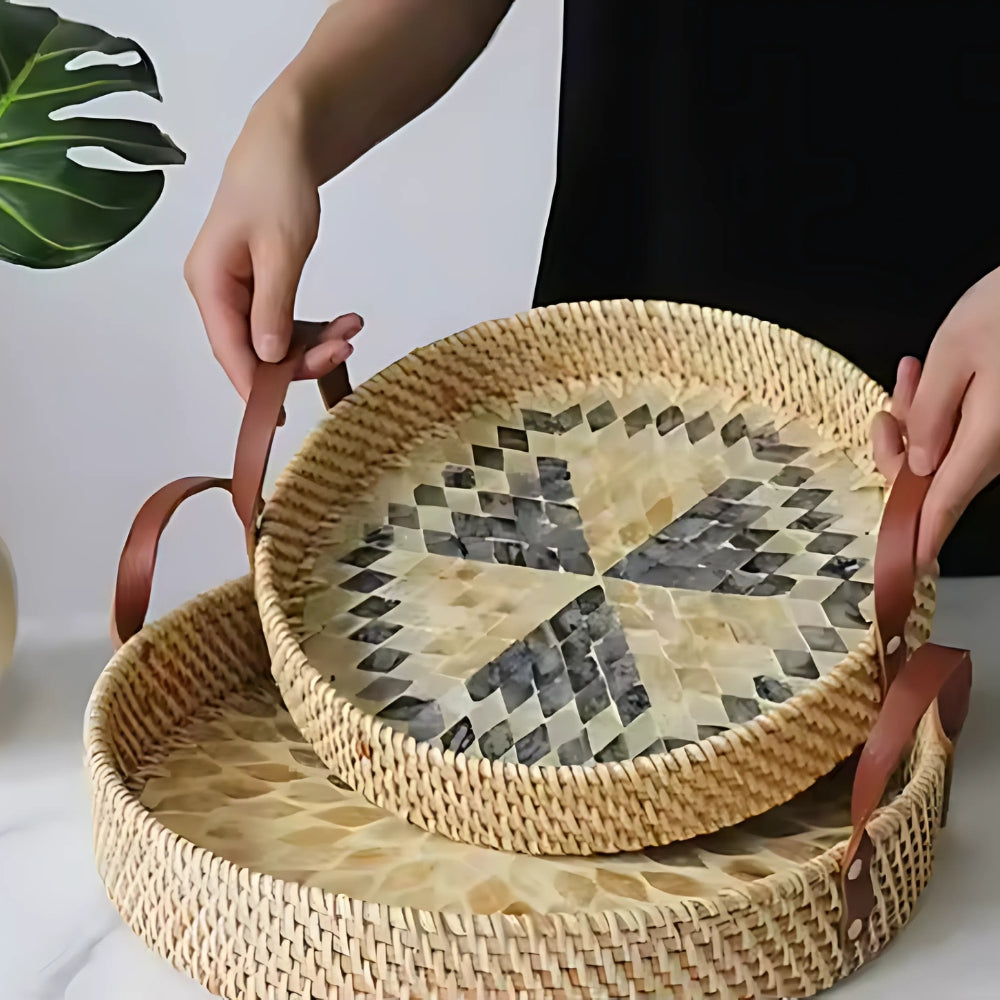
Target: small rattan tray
(230, 850)
(589, 579)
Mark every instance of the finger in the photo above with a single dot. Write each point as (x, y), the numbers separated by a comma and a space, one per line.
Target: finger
(224, 304)
(887, 442)
(276, 274)
(327, 341)
(936, 405)
(907, 379)
(972, 462)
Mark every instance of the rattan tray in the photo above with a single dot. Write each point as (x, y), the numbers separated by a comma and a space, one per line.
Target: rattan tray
(230, 850)
(589, 579)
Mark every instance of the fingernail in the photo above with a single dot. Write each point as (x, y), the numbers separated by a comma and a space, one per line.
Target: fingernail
(921, 463)
(270, 348)
(342, 353)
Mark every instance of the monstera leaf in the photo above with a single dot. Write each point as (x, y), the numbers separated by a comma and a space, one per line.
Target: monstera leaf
(54, 212)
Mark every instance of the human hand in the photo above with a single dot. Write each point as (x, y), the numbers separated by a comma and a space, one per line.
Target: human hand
(946, 414)
(245, 266)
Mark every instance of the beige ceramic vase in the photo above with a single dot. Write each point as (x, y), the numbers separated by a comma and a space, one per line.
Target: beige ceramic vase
(8, 608)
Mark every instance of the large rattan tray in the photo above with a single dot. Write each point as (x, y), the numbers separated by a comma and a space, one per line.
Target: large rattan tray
(230, 850)
(592, 578)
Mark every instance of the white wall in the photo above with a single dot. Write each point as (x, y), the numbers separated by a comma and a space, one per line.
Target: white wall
(107, 386)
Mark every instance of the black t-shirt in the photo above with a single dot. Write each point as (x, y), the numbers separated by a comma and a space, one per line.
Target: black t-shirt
(829, 166)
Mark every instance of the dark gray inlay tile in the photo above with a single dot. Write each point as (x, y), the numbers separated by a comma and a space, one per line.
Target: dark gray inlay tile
(727, 558)
(699, 428)
(509, 553)
(518, 686)
(842, 606)
(487, 458)
(497, 741)
(669, 420)
(654, 748)
(616, 662)
(576, 751)
(735, 489)
(426, 724)
(737, 582)
(382, 535)
(512, 439)
(733, 431)
(430, 496)
(532, 748)
(406, 708)
(795, 663)
(740, 710)
(793, 475)
(807, 499)
(458, 477)
(771, 690)
(716, 535)
(773, 586)
(581, 664)
(554, 476)
(524, 484)
(383, 660)
(374, 607)
(593, 699)
(829, 543)
(542, 423)
(681, 577)
(814, 520)
(632, 704)
(546, 661)
(556, 693)
(384, 689)
(823, 640)
(766, 562)
(685, 528)
(705, 732)
(616, 750)
(767, 446)
(535, 557)
(364, 557)
(675, 744)
(514, 662)
(375, 632)
(637, 420)
(842, 567)
(497, 504)
(752, 538)
(440, 543)
(367, 581)
(459, 738)
(577, 562)
(567, 621)
(569, 419)
(601, 416)
(742, 514)
(403, 516)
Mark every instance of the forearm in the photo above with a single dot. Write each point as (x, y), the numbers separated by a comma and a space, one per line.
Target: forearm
(371, 66)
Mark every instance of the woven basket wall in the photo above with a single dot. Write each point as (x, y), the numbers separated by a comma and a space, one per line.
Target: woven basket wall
(251, 933)
(626, 804)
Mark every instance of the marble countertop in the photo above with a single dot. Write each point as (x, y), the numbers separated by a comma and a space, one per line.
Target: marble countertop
(59, 936)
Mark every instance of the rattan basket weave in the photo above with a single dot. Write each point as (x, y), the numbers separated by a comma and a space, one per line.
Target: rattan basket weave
(231, 852)
(709, 422)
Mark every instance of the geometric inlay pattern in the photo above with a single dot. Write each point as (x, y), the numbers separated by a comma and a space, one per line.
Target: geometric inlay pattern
(239, 780)
(597, 580)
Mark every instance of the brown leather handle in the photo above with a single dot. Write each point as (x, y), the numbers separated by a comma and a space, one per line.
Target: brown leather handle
(137, 564)
(932, 674)
(895, 569)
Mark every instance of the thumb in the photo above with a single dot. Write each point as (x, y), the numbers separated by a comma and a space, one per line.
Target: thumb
(277, 270)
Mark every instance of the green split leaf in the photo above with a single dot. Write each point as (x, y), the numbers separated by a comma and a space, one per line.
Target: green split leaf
(54, 212)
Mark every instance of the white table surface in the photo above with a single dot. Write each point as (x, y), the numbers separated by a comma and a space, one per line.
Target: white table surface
(60, 937)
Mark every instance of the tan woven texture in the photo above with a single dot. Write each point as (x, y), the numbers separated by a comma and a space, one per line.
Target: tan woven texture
(625, 805)
(245, 933)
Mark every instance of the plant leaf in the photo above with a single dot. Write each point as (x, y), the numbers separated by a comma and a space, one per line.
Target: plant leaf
(54, 212)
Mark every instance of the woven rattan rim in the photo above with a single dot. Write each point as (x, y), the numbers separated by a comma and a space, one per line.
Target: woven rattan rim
(554, 810)
(246, 934)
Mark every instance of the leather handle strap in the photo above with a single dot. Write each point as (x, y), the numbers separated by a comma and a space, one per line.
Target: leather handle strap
(137, 564)
(895, 569)
(932, 674)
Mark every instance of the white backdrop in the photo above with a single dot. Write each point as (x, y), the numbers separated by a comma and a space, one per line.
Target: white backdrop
(107, 385)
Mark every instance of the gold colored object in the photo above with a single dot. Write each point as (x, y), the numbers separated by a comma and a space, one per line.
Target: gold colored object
(230, 850)
(594, 578)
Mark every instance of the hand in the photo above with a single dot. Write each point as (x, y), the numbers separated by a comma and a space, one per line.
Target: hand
(246, 264)
(948, 414)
